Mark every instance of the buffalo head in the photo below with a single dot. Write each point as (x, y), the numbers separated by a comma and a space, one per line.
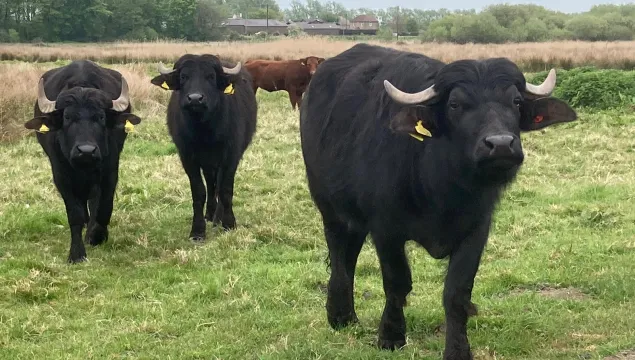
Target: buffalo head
(482, 106)
(81, 119)
(199, 79)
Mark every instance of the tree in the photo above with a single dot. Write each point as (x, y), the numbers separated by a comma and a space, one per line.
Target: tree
(412, 26)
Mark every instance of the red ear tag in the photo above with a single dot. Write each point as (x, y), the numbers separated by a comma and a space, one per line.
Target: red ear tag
(538, 118)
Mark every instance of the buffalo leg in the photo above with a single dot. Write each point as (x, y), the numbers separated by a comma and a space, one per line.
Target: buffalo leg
(103, 200)
(397, 285)
(193, 171)
(457, 294)
(224, 209)
(210, 180)
(75, 213)
(76, 221)
(344, 246)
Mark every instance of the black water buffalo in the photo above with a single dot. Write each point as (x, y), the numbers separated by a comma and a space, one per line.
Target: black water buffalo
(405, 147)
(211, 119)
(83, 132)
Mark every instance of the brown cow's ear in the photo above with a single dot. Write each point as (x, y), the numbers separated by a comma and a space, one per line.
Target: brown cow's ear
(417, 121)
(539, 113)
(167, 82)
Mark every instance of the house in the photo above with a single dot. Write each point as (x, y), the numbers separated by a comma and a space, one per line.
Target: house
(363, 24)
(252, 26)
(318, 27)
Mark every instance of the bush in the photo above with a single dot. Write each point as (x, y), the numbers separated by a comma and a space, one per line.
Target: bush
(142, 34)
(592, 88)
(481, 28)
(9, 36)
(384, 33)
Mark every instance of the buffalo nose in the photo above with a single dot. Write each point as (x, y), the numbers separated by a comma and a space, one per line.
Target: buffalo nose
(499, 144)
(195, 98)
(86, 149)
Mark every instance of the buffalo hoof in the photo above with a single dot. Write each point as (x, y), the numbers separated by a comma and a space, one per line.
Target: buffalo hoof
(339, 321)
(197, 237)
(76, 258)
(96, 235)
(229, 223)
(391, 344)
(458, 355)
(472, 309)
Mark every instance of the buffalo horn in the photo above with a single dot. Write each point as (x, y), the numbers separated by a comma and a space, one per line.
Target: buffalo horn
(408, 98)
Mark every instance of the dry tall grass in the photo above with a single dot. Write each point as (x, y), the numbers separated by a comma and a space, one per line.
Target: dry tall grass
(530, 56)
(19, 90)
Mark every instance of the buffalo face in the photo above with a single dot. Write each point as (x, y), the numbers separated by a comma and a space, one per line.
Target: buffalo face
(481, 107)
(199, 80)
(81, 119)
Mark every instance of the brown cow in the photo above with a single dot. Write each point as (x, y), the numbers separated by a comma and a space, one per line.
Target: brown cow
(290, 75)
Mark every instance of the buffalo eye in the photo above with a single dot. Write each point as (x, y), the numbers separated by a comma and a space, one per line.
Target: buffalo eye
(454, 105)
(518, 101)
(184, 77)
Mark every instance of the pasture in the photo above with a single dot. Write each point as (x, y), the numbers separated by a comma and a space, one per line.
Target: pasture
(556, 280)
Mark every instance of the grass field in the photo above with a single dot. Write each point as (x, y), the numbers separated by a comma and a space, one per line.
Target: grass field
(556, 281)
(529, 56)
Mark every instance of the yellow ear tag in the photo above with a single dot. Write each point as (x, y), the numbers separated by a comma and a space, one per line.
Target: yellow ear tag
(128, 127)
(165, 86)
(416, 136)
(43, 129)
(421, 130)
(229, 89)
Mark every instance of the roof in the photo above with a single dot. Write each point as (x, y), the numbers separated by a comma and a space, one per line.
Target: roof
(254, 22)
(365, 18)
(305, 25)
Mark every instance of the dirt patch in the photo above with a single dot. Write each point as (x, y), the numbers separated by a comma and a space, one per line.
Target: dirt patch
(624, 355)
(566, 293)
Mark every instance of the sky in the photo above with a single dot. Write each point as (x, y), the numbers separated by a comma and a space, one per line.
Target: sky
(568, 6)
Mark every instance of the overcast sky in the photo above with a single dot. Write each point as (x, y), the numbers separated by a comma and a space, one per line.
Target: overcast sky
(569, 6)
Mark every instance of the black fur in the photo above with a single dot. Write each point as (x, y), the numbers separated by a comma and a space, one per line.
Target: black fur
(83, 91)
(213, 138)
(366, 178)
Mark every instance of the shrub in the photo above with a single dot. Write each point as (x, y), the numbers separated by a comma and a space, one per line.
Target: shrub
(592, 88)
(9, 36)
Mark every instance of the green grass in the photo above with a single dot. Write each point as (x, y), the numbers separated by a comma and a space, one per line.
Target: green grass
(255, 293)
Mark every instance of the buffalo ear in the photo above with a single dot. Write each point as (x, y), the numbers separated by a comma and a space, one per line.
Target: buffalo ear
(37, 122)
(120, 121)
(417, 121)
(539, 113)
(167, 82)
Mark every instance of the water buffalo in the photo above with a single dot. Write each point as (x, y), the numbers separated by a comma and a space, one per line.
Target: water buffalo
(82, 131)
(211, 118)
(406, 147)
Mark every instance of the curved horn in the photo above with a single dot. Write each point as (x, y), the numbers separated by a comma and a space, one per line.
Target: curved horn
(46, 106)
(408, 98)
(121, 103)
(164, 70)
(233, 71)
(545, 88)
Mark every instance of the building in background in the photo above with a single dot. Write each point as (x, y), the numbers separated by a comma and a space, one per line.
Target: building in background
(252, 26)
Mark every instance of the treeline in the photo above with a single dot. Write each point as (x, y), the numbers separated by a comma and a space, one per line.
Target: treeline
(200, 20)
(108, 20)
